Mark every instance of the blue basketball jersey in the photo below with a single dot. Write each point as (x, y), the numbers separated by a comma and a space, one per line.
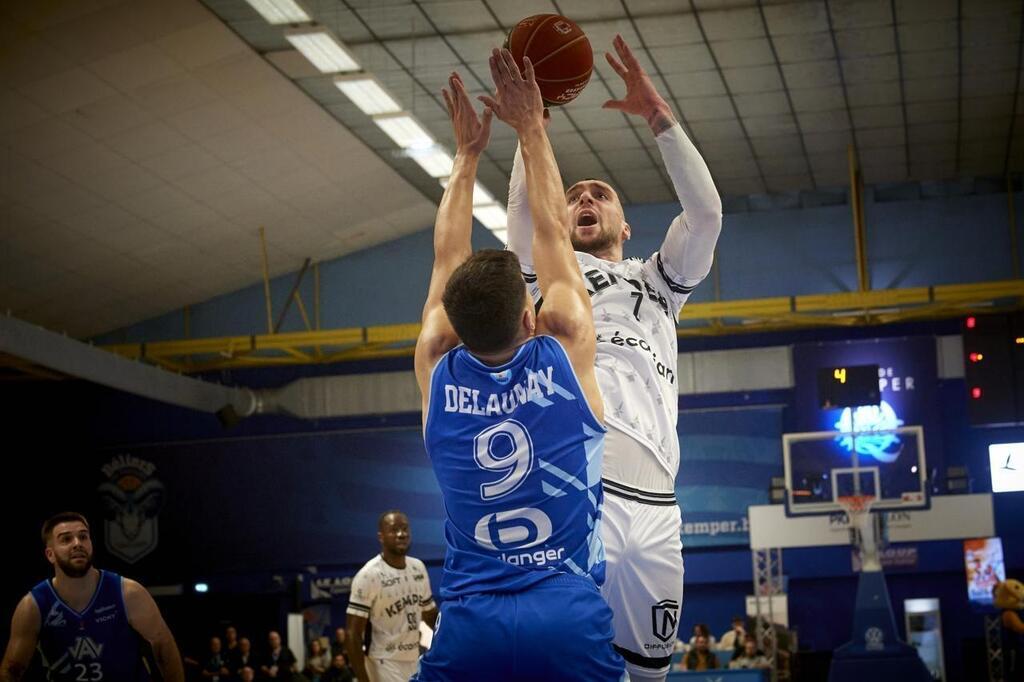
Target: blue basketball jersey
(517, 453)
(94, 644)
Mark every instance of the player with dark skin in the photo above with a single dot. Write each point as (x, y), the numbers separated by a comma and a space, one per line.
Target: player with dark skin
(69, 550)
(394, 537)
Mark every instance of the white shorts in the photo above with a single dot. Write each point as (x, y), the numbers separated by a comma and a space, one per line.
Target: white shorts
(390, 670)
(643, 574)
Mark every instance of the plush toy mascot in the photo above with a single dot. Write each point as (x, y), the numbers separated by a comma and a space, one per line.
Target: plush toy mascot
(1009, 596)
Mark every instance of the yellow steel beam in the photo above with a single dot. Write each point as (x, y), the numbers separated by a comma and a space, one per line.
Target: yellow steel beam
(393, 333)
(877, 298)
(755, 307)
(976, 293)
(721, 317)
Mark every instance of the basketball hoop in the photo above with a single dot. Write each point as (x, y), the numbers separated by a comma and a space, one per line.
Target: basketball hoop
(862, 528)
(856, 504)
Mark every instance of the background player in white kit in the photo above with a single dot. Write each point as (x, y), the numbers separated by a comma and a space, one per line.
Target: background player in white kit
(636, 304)
(392, 593)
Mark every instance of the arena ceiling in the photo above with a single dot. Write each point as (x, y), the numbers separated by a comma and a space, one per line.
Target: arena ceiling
(144, 142)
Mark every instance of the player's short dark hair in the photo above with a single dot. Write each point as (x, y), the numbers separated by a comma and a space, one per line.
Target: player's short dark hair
(484, 300)
(57, 519)
(389, 512)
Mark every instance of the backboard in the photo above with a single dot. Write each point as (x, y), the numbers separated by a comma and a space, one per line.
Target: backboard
(822, 467)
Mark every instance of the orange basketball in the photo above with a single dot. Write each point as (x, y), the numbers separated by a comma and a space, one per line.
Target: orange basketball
(560, 52)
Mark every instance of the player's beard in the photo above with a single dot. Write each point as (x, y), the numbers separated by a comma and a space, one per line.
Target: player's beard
(71, 570)
(599, 243)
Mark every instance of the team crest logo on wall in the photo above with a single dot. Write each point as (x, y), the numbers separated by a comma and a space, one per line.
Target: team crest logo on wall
(132, 498)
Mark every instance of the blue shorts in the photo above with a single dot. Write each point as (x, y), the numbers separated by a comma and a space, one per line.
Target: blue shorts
(559, 629)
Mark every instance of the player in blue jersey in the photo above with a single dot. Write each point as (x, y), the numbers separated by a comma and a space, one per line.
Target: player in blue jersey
(86, 623)
(513, 426)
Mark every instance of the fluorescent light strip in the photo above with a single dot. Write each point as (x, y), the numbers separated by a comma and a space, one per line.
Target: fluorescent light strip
(281, 11)
(406, 132)
(322, 49)
(437, 162)
(481, 196)
(491, 216)
(367, 94)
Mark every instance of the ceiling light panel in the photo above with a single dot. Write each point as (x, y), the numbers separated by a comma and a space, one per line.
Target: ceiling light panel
(322, 49)
(491, 216)
(437, 162)
(368, 94)
(281, 11)
(406, 131)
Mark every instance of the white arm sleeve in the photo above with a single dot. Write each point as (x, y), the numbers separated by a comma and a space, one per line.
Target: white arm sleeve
(520, 223)
(689, 247)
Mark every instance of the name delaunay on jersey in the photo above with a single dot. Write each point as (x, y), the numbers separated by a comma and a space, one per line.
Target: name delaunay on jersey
(466, 400)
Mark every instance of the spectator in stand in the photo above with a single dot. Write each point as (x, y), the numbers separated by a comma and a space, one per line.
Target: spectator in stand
(214, 667)
(750, 657)
(279, 663)
(242, 657)
(701, 630)
(246, 674)
(700, 657)
(338, 645)
(339, 671)
(230, 642)
(733, 640)
(317, 662)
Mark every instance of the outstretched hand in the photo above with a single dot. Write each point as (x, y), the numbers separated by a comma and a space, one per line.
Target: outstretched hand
(517, 99)
(472, 132)
(641, 98)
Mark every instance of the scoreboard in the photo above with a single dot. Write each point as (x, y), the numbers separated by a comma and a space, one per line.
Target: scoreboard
(848, 386)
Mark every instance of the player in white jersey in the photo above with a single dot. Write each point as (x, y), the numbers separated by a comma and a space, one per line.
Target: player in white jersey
(391, 593)
(636, 305)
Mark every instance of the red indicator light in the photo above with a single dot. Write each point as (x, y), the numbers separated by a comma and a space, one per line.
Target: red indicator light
(975, 392)
(972, 322)
(976, 357)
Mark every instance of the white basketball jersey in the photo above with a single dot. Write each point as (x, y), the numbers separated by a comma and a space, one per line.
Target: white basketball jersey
(635, 310)
(393, 599)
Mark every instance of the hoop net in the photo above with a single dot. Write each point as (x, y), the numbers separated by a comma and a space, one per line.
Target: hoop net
(863, 531)
(854, 505)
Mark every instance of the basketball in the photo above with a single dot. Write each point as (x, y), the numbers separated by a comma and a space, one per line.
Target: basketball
(560, 52)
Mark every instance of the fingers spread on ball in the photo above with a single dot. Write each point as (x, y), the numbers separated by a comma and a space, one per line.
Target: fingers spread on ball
(528, 74)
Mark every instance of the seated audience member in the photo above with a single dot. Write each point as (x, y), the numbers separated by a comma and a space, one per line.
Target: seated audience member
(230, 641)
(700, 656)
(733, 640)
(214, 666)
(246, 674)
(317, 662)
(339, 671)
(701, 630)
(338, 644)
(242, 657)
(279, 663)
(750, 657)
